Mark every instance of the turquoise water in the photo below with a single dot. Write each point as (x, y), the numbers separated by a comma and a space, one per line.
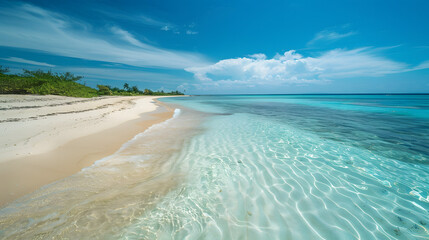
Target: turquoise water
(250, 167)
(301, 167)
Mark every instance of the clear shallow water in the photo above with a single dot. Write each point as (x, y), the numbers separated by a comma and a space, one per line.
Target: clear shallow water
(301, 167)
(257, 167)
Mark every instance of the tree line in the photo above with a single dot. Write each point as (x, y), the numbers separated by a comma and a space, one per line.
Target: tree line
(134, 90)
(64, 84)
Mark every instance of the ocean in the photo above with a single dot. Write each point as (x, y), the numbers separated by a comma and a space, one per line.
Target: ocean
(251, 167)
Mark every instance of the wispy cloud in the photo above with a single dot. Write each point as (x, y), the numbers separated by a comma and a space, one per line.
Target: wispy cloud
(162, 25)
(166, 28)
(190, 32)
(145, 20)
(152, 22)
(26, 61)
(29, 26)
(423, 65)
(128, 37)
(327, 35)
(138, 18)
(293, 68)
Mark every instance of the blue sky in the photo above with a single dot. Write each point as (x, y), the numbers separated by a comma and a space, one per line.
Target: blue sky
(207, 47)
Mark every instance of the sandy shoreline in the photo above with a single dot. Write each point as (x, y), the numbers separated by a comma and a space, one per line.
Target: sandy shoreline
(47, 138)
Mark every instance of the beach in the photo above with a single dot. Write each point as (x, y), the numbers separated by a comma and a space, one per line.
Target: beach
(47, 138)
(298, 120)
(231, 167)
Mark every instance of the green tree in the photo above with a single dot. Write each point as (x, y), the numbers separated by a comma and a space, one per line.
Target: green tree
(135, 89)
(68, 76)
(126, 87)
(104, 90)
(148, 92)
(39, 74)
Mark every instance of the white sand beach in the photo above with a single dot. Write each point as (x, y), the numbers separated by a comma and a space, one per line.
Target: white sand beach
(46, 138)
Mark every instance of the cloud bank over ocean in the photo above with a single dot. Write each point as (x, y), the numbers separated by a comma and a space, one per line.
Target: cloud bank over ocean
(293, 68)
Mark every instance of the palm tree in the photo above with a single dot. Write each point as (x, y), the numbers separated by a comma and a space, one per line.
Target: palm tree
(126, 87)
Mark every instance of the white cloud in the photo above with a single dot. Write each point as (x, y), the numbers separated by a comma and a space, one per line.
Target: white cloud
(128, 37)
(166, 28)
(327, 35)
(152, 22)
(140, 18)
(292, 68)
(259, 56)
(21, 60)
(423, 65)
(190, 32)
(28, 26)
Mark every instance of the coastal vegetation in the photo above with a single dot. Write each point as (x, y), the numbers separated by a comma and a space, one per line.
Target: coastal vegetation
(64, 84)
